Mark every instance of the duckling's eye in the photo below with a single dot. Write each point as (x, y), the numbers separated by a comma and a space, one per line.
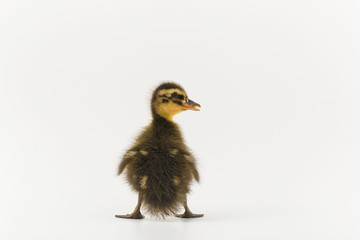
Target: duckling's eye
(174, 95)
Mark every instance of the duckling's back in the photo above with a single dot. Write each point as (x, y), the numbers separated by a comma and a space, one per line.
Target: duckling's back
(160, 168)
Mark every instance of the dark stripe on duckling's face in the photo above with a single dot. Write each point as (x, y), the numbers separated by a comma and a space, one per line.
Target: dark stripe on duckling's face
(178, 102)
(166, 100)
(175, 95)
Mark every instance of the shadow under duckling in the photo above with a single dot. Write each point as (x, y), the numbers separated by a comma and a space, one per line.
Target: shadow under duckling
(159, 166)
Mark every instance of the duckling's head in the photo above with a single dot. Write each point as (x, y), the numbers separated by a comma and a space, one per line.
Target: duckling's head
(170, 99)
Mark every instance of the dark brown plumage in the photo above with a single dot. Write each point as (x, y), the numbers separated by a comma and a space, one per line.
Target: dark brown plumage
(159, 166)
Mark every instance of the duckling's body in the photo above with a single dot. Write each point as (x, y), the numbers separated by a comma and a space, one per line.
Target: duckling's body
(159, 166)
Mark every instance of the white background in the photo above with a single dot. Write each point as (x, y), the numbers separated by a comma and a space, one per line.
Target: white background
(277, 139)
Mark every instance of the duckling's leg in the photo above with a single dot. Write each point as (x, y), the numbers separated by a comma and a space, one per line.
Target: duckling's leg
(136, 214)
(188, 213)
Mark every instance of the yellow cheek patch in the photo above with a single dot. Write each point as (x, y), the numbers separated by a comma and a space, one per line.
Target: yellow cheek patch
(168, 110)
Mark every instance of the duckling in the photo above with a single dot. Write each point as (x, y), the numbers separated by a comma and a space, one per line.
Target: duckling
(159, 166)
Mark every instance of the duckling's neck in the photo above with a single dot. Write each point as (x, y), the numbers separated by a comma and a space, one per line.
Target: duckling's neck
(159, 120)
(162, 114)
(165, 133)
(164, 126)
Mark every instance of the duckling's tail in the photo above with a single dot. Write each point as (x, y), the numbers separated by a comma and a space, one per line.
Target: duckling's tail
(161, 202)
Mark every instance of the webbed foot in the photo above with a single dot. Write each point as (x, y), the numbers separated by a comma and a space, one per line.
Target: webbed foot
(136, 215)
(187, 214)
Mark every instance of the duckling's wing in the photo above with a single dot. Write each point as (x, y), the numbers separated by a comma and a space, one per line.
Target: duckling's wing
(192, 165)
(196, 174)
(125, 160)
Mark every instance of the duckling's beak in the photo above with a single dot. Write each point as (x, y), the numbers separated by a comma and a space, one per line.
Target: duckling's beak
(191, 105)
